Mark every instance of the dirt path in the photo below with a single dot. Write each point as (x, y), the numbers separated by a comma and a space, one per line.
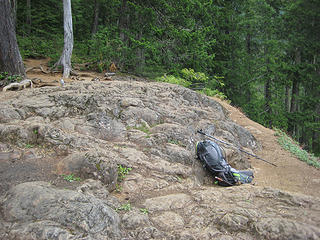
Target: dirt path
(291, 174)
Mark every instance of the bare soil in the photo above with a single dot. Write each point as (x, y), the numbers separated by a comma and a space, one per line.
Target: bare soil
(291, 174)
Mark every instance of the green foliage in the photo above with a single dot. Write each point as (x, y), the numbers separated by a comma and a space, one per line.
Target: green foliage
(174, 80)
(29, 145)
(173, 141)
(194, 77)
(118, 188)
(37, 47)
(176, 142)
(213, 93)
(292, 146)
(10, 78)
(3, 75)
(70, 177)
(190, 78)
(143, 128)
(14, 78)
(144, 210)
(103, 48)
(6, 79)
(125, 207)
(122, 172)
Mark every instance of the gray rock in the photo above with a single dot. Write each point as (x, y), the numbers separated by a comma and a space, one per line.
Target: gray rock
(151, 128)
(18, 134)
(132, 115)
(277, 228)
(133, 220)
(150, 233)
(42, 210)
(169, 221)
(40, 230)
(9, 114)
(245, 138)
(66, 124)
(168, 202)
(90, 165)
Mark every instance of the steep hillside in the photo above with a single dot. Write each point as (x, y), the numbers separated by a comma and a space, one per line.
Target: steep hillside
(291, 174)
(115, 160)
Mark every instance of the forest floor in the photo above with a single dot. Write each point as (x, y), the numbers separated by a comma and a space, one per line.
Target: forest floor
(290, 174)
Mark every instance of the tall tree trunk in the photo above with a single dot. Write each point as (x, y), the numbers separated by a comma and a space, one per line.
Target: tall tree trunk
(292, 128)
(248, 41)
(65, 59)
(28, 20)
(123, 21)
(316, 132)
(96, 17)
(286, 99)
(10, 58)
(293, 106)
(295, 95)
(267, 96)
(14, 12)
(267, 90)
(140, 54)
(123, 24)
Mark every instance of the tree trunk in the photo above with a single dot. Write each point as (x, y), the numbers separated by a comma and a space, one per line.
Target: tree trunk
(140, 54)
(96, 17)
(10, 58)
(286, 99)
(267, 91)
(267, 96)
(65, 59)
(14, 12)
(292, 128)
(123, 21)
(316, 132)
(28, 20)
(295, 95)
(248, 41)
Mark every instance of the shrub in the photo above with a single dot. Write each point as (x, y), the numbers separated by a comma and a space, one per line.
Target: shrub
(292, 146)
(174, 80)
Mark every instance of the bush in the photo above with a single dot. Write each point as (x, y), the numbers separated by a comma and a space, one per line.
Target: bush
(292, 146)
(174, 80)
(35, 47)
(194, 77)
(191, 78)
(213, 93)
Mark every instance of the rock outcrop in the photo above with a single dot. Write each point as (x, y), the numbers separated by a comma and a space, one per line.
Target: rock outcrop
(99, 131)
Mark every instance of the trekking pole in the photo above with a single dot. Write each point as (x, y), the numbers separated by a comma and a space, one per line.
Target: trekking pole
(228, 144)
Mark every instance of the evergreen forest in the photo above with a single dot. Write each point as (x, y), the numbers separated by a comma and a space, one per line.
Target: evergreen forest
(262, 55)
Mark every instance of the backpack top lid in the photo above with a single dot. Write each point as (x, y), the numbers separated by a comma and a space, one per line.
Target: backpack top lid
(211, 153)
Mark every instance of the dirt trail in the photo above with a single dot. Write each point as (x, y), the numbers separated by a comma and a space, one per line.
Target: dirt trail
(291, 174)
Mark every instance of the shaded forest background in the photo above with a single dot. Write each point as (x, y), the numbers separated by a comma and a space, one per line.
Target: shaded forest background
(262, 54)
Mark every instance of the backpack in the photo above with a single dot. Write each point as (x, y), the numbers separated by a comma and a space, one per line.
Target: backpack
(210, 154)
